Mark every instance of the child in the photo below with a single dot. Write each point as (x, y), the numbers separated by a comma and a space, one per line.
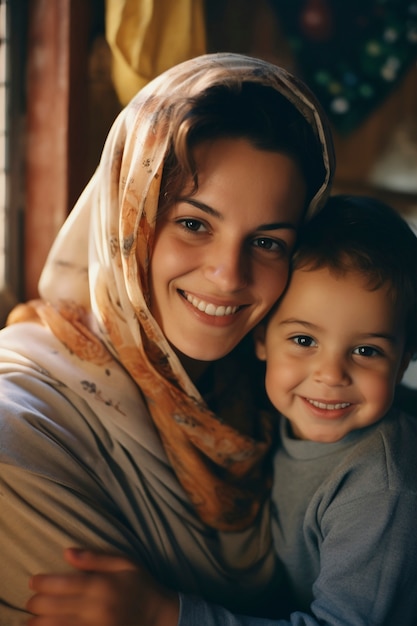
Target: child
(345, 482)
(345, 486)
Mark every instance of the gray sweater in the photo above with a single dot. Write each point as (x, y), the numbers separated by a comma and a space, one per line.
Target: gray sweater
(345, 528)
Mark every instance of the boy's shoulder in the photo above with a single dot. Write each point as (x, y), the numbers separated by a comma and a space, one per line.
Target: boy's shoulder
(386, 453)
(398, 431)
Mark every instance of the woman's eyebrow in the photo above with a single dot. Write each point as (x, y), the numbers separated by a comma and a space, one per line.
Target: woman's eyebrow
(214, 213)
(202, 206)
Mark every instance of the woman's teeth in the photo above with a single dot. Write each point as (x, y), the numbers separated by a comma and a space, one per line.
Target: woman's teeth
(209, 308)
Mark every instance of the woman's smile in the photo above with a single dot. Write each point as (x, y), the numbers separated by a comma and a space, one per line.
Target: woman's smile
(221, 255)
(210, 308)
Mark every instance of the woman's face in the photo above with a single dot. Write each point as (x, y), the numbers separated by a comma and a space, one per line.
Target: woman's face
(221, 255)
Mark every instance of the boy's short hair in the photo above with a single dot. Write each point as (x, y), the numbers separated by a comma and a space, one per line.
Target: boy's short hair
(367, 236)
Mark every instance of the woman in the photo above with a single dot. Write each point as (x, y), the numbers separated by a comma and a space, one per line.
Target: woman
(127, 421)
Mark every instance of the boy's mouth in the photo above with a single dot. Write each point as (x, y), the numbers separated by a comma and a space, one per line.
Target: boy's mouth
(327, 405)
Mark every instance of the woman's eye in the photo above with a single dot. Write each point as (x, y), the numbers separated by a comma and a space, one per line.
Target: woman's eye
(367, 351)
(304, 341)
(191, 224)
(266, 243)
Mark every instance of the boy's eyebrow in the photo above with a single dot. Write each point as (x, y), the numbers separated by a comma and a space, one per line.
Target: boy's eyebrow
(208, 209)
(294, 320)
(387, 336)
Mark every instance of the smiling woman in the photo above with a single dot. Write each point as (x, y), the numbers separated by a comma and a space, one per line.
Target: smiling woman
(128, 421)
(218, 265)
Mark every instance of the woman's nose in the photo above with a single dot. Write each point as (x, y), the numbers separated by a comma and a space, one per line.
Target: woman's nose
(227, 269)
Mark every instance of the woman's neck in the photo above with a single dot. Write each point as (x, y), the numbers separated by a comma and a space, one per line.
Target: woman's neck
(195, 369)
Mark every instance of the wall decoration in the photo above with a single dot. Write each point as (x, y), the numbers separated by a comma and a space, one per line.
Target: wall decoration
(352, 54)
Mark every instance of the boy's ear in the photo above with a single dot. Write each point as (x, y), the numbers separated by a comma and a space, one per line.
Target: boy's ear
(403, 366)
(259, 340)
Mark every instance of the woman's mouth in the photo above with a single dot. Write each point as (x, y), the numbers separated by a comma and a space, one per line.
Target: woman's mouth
(208, 307)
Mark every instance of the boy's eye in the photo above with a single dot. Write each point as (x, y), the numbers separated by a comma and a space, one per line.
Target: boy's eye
(367, 351)
(305, 341)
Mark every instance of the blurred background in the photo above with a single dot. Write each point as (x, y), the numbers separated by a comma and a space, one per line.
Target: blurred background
(67, 67)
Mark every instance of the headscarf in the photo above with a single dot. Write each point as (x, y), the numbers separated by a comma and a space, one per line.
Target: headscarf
(94, 287)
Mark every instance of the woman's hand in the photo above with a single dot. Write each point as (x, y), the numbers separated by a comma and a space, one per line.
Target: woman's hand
(105, 591)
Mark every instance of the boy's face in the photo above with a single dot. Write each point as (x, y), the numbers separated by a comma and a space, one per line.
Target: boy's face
(334, 353)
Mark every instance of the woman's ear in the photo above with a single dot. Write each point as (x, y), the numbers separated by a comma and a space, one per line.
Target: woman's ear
(259, 340)
(403, 366)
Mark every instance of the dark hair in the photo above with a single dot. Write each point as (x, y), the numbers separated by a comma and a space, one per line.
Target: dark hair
(365, 235)
(250, 111)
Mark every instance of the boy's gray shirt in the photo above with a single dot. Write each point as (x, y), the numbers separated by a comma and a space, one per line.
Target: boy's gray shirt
(345, 528)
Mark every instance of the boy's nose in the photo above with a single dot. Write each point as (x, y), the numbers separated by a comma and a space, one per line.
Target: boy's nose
(332, 371)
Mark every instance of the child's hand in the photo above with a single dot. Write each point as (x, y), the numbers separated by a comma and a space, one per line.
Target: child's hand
(105, 591)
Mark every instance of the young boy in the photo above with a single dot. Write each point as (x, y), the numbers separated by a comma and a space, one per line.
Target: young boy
(345, 485)
(345, 488)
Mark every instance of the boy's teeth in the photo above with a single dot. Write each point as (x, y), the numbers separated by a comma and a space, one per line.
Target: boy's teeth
(209, 308)
(329, 407)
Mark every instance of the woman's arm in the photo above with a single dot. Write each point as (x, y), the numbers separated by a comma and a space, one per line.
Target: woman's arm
(103, 591)
(52, 490)
(368, 575)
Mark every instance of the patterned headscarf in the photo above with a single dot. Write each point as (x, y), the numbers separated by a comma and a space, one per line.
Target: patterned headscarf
(95, 282)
